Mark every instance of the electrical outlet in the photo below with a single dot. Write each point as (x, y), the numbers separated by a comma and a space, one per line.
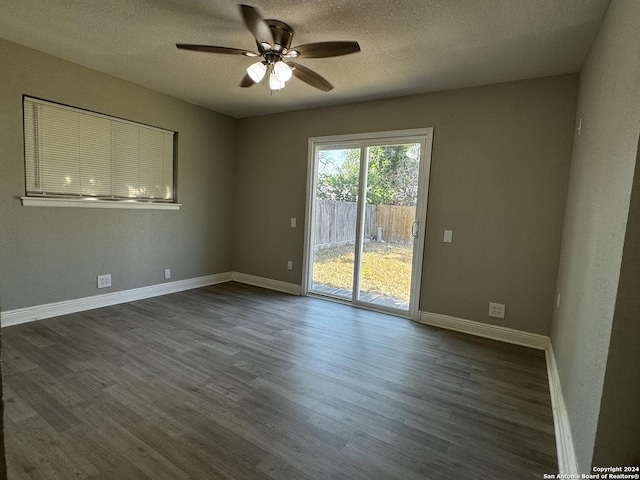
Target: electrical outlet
(496, 310)
(289, 265)
(167, 273)
(294, 222)
(104, 281)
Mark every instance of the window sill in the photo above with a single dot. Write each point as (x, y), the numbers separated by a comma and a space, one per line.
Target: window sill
(96, 203)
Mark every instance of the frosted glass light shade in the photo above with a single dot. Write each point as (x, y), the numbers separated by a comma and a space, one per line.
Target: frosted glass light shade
(274, 83)
(257, 71)
(282, 71)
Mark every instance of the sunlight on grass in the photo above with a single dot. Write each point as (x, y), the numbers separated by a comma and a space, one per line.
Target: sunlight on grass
(386, 269)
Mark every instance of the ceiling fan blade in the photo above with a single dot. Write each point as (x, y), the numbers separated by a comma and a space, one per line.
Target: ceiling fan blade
(247, 81)
(256, 24)
(309, 76)
(214, 49)
(326, 49)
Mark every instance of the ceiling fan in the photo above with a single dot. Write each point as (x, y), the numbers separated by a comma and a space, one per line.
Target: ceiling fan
(273, 39)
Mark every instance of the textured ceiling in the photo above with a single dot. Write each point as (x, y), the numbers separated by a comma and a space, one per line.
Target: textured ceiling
(408, 46)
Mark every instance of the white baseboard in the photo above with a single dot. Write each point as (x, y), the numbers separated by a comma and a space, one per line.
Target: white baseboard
(39, 312)
(567, 461)
(276, 285)
(508, 335)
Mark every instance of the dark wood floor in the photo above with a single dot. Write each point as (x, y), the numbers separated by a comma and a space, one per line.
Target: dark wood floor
(232, 381)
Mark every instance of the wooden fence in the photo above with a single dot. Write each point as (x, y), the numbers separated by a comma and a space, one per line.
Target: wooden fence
(396, 222)
(335, 223)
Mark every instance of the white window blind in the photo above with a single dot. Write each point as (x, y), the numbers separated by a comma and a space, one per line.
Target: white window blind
(74, 153)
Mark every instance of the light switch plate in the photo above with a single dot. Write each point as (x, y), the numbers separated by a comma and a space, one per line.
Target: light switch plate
(293, 222)
(448, 236)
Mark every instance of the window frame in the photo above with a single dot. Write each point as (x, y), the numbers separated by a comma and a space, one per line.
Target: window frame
(83, 200)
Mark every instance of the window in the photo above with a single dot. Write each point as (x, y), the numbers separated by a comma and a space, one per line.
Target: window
(84, 158)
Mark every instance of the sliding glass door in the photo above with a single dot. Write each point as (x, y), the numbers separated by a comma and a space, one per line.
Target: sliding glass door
(336, 220)
(366, 211)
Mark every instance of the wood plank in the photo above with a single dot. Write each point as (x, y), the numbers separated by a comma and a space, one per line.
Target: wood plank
(233, 381)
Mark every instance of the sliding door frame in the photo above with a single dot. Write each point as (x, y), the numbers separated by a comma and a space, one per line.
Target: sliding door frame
(423, 136)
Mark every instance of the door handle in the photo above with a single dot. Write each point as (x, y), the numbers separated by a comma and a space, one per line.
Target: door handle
(414, 229)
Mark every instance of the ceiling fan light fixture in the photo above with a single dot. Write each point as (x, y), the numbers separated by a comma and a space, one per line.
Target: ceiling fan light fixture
(282, 71)
(257, 71)
(274, 83)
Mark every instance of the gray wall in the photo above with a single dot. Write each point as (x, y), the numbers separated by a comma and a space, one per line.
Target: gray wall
(618, 434)
(603, 162)
(499, 175)
(54, 254)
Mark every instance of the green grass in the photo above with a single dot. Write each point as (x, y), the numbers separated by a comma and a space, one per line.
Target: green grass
(386, 268)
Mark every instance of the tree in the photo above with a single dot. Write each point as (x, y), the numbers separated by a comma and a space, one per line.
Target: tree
(392, 177)
(338, 178)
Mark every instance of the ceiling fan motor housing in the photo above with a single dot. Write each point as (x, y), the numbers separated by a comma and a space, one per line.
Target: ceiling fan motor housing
(282, 34)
